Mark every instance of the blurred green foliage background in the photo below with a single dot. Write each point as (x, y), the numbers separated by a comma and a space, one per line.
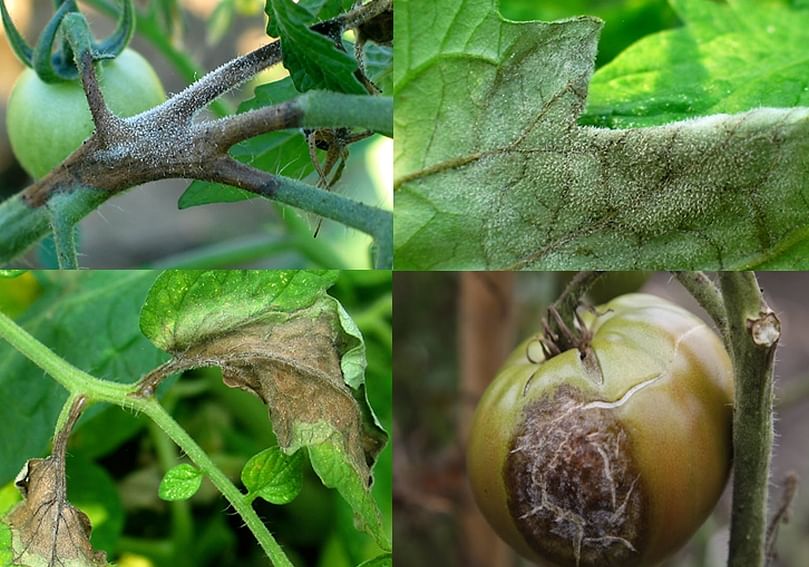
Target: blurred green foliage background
(625, 20)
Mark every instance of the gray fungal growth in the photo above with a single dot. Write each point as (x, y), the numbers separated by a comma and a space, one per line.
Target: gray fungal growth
(504, 177)
(574, 491)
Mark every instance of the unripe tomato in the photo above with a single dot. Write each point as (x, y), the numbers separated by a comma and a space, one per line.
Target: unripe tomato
(614, 459)
(47, 122)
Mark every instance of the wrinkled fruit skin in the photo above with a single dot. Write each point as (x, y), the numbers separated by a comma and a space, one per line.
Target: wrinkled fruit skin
(573, 471)
(47, 122)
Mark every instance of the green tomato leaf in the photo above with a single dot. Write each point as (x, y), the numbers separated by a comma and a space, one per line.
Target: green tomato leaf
(314, 61)
(793, 254)
(493, 171)
(180, 482)
(381, 561)
(91, 319)
(379, 66)
(282, 153)
(317, 10)
(186, 307)
(9, 496)
(728, 57)
(336, 471)
(274, 476)
(6, 550)
(278, 335)
(11, 273)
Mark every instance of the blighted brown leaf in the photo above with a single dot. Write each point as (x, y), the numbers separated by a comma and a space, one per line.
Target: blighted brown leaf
(46, 530)
(293, 364)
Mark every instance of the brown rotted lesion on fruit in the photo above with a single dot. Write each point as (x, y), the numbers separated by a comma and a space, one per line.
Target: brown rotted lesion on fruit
(574, 491)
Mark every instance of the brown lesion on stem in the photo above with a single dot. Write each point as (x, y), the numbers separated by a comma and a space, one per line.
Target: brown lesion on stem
(166, 142)
(148, 384)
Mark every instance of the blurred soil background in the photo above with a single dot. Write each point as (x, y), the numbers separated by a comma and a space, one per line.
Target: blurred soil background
(452, 333)
(144, 226)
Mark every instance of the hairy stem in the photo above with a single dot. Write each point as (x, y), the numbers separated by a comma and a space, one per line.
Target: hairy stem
(74, 380)
(155, 34)
(66, 413)
(22, 226)
(370, 220)
(754, 331)
(165, 142)
(64, 239)
(325, 109)
(238, 500)
(703, 289)
(182, 522)
(314, 109)
(225, 78)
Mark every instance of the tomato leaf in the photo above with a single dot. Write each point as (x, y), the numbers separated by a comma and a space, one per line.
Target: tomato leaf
(381, 561)
(314, 61)
(44, 525)
(274, 476)
(6, 549)
(278, 335)
(317, 10)
(492, 170)
(379, 66)
(180, 482)
(89, 318)
(185, 307)
(728, 57)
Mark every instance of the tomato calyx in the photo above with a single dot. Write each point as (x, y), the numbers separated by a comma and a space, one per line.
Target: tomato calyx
(551, 343)
(59, 65)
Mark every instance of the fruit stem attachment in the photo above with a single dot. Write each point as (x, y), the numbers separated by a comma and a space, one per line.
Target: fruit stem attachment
(562, 329)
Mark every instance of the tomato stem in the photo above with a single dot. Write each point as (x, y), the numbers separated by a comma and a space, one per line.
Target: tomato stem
(704, 290)
(754, 331)
(64, 238)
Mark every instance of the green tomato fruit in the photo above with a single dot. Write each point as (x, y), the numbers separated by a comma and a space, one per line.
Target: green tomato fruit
(611, 459)
(47, 122)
